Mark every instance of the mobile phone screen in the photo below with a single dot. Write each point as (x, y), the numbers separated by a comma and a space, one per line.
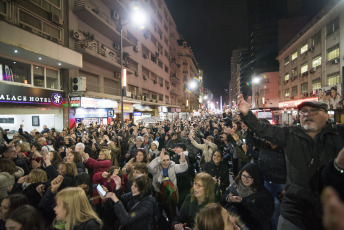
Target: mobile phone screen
(101, 190)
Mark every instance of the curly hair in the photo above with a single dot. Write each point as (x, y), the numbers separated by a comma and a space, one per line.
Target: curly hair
(143, 151)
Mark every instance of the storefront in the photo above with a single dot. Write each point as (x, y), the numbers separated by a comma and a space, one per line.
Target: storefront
(32, 107)
(91, 110)
(128, 110)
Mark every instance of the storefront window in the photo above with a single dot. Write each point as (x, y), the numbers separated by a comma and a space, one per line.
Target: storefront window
(38, 76)
(14, 71)
(52, 79)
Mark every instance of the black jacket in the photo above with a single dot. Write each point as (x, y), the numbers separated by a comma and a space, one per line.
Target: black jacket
(304, 158)
(221, 171)
(134, 213)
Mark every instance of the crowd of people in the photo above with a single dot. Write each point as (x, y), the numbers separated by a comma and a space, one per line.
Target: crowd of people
(229, 171)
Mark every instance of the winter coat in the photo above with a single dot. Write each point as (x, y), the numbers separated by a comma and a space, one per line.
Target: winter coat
(98, 179)
(219, 171)
(7, 180)
(304, 157)
(188, 212)
(207, 150)
(98, 165)
(134, 213)
(156, 170)
(256, 209)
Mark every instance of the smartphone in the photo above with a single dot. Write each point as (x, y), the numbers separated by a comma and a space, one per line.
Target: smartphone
(244, 141)
(101, 190)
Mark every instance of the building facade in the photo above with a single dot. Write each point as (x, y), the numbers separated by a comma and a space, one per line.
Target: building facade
(311, 65)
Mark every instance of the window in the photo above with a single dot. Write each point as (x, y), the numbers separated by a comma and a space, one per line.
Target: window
(316, 84)
(294, 90)
(333, 79)
(304, 87)
(38, 76)
(166, 69)
(52, 79)
(294, 72)
(332, 26)
(304, 68)
(304, 48)
(316, 61)
(286, 60)
(294, 56)
(316, 39)
(6, 120)
(15, 71)
(286, 92)
(286, 77)
(3, 7)
(333, 52)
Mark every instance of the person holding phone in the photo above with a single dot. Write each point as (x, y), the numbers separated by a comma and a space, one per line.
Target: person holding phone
(248, 198)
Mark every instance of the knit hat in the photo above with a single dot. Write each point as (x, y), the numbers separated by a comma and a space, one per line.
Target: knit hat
(156, 143)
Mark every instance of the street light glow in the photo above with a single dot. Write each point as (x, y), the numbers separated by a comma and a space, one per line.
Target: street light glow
(256, 80)
(192, 85)
(139, 17)
(205, 97)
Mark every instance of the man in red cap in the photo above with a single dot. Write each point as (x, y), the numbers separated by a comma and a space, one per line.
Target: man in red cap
(312, 160)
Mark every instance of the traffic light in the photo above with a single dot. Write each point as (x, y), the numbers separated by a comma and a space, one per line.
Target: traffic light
(79, 83)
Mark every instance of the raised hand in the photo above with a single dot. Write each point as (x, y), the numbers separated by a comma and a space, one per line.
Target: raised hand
(56, 183)
(244, 106)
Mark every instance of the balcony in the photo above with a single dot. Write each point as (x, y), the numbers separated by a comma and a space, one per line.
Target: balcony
(89, 13)
(120, 5)
(174, 78)
(174, 91)
(101, 55)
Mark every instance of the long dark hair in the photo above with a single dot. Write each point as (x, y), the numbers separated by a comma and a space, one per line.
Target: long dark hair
(144, 185)
(143, 151)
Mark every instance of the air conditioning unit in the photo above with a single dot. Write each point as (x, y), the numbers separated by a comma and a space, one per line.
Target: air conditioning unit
(117, 75)
(305, 73)
(154, 82)
(114, 15)
(79, 83)
(145, 56)
(116, 46)
(161, 85)
(56, 19)
(128, 94)
(311, 49)
(167, 87)
(157, 54)
(136, 73)
(335, 61)
(136, 48)
(313, 70)
(76, 35)
(144, 77)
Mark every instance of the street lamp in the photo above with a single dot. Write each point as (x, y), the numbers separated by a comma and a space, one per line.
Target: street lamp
(139, 18)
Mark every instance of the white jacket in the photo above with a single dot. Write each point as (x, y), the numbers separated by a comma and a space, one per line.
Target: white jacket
(156, 170)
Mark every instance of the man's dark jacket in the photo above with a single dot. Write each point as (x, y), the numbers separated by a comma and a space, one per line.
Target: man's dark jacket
(305, 157)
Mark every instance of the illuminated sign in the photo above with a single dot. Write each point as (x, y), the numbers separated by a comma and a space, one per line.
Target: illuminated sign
(137, 114)
(75, 101)
(13, 94)
(90, 113)
(88, 102)
(295, 103)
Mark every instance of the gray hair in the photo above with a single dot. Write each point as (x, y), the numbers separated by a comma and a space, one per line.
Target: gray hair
(47, 149)
(81, 145)
(141, 138)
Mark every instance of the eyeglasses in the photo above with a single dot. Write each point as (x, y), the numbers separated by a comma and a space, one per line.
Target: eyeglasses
(310, 111)
(197, 185)
(246, 177)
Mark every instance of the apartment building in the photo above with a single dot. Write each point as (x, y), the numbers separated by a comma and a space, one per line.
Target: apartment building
(192, 78)
(35, 62)
(265, 91)
(311, 64)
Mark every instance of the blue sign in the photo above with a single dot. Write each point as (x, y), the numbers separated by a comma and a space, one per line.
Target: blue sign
(110, 113)
(137, 114)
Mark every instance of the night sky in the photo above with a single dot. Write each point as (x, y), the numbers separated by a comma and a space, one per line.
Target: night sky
(213, 28)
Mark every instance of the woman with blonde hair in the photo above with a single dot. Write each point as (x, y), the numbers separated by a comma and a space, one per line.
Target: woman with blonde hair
(102, 164)
(73, 211)
(201, 193)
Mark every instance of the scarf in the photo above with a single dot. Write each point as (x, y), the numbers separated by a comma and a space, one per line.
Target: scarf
(243, 190)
